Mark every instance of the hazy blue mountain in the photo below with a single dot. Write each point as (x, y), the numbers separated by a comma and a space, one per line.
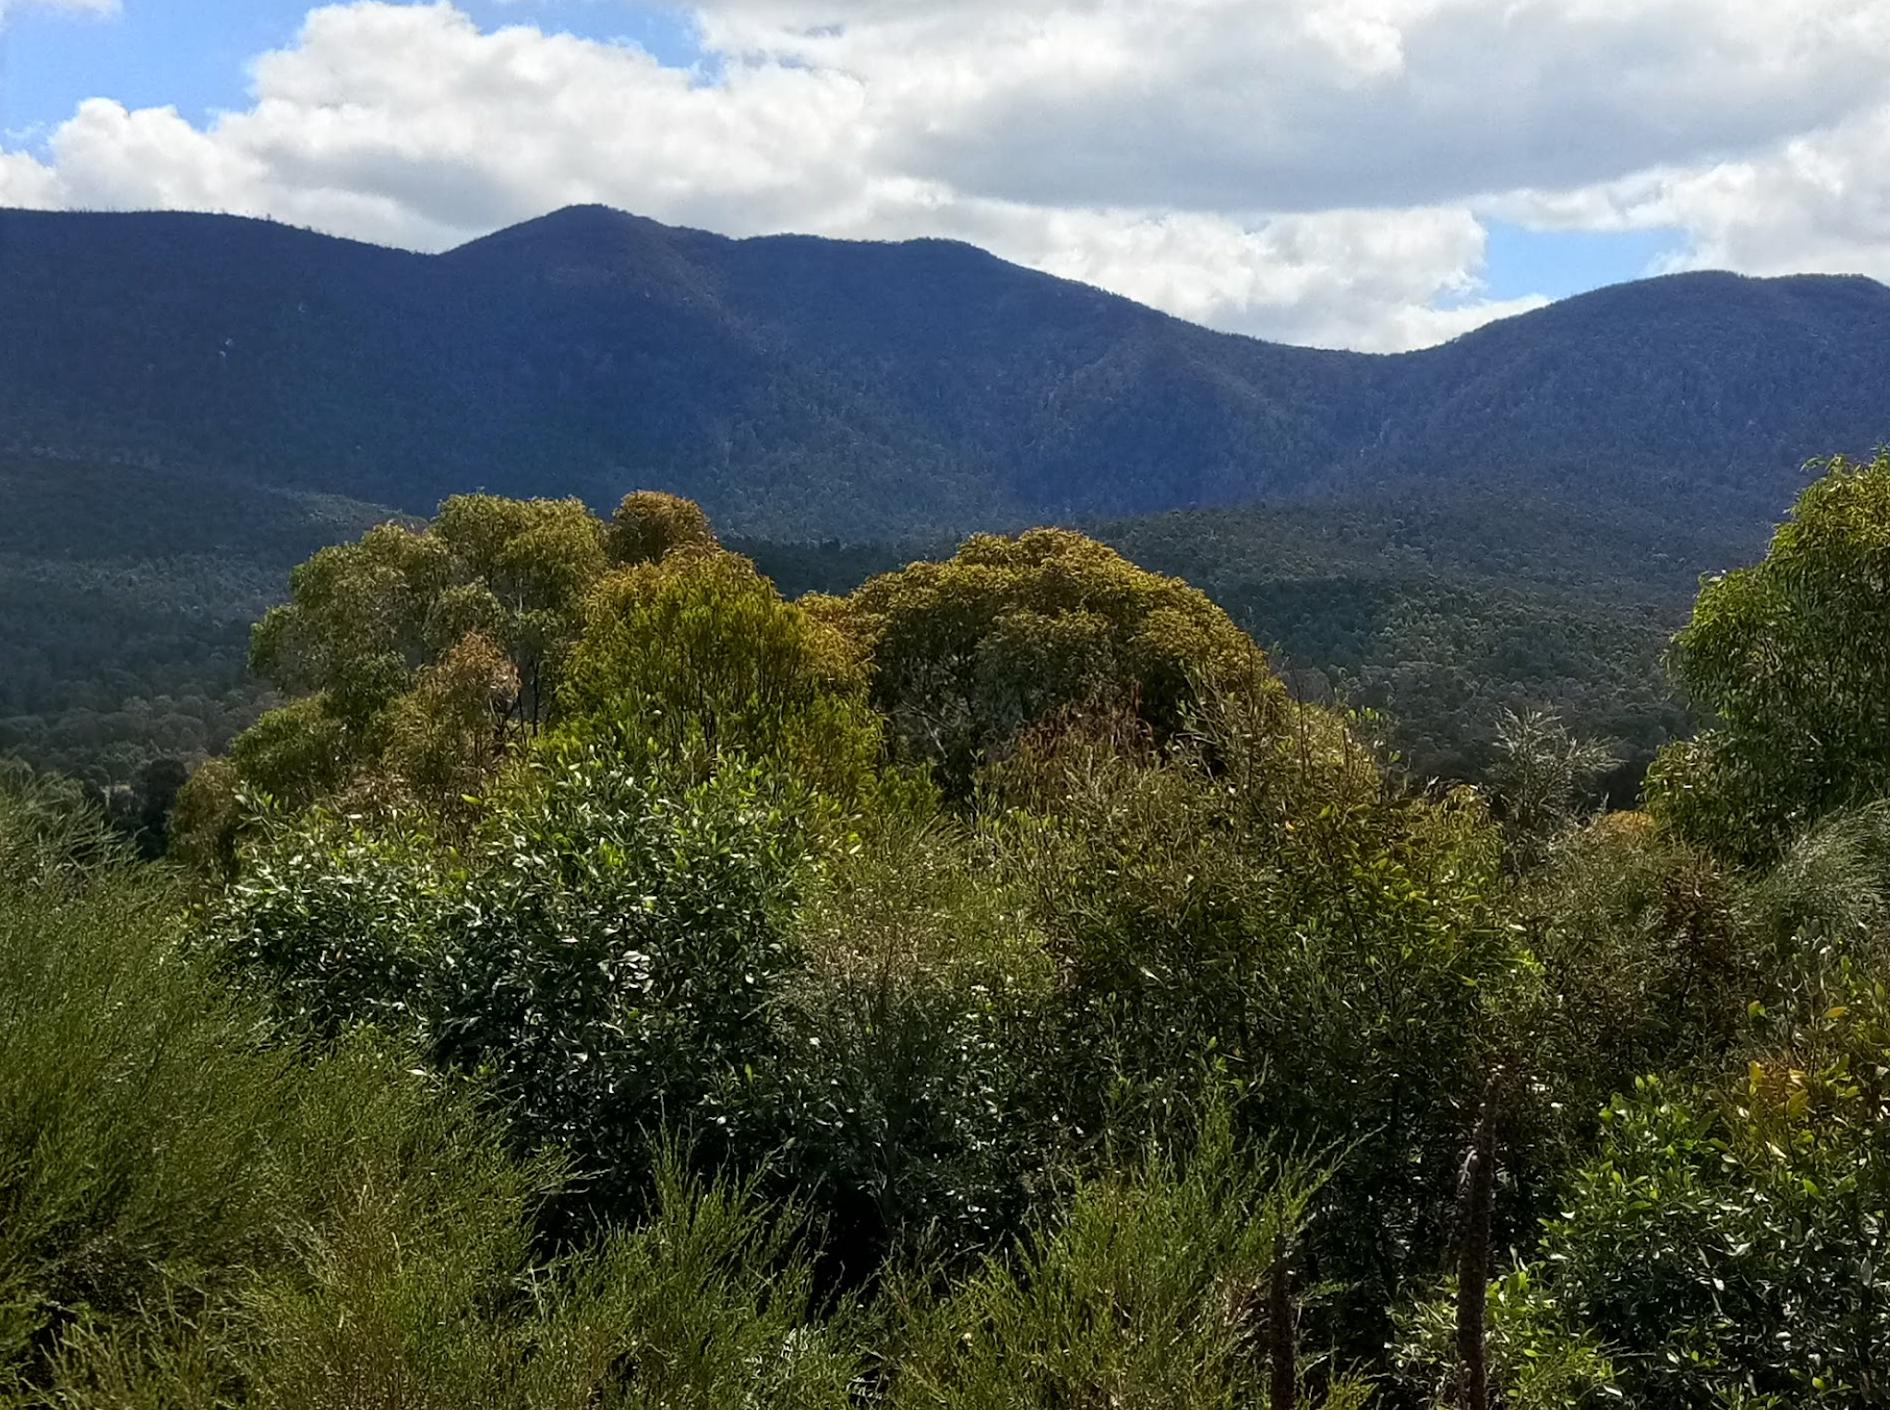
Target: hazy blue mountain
(806, 388)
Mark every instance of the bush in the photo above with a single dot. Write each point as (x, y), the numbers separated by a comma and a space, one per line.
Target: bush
(1148, 1293)
(913, 1049)
(1537, 1359)
(1730, 1242)
(195, 1212)
(1240, 909)
(606, 953)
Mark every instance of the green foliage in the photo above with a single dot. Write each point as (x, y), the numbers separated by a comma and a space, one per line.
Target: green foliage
(196, 1212)
(1538, 1359)
(1645, 966)
(1253, 906)
(206, 819)
(426, 651)
(126, 596)
(604, 953)
(649, 525)
(296, 753)
(912, 1047)
(1732, 1242)
(135, 1104)
(1725, 1240)
(1541, 775)
(696, 656)
(1447, 605)
(967, 653)
(1148, 1293)
(661, 1043)
(1791, 659)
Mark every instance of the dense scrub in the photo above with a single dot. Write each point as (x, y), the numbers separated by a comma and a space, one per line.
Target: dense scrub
(611, 983)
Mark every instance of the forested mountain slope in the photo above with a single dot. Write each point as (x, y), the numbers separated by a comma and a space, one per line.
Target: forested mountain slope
(126, 595)
(1441, 605)
(805, 388)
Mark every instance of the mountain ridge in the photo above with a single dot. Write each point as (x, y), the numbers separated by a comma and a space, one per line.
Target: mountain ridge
(811, 388)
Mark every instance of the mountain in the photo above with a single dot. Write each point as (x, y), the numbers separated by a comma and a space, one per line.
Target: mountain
(189, 404)
(807, 388)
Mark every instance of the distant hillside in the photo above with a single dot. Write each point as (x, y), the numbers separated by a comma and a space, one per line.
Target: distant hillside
(1440, 606)
(126, 596)
(806, 388)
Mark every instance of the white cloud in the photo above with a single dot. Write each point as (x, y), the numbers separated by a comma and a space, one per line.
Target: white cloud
(28, 183)
(1351, 278)
(1312, 170)
(1315, 104)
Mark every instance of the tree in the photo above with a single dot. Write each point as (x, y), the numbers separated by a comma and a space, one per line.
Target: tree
(421, 657)
(1540, 774)
(1792, 658)
(967, 653)
(650, 525)
(696, 656)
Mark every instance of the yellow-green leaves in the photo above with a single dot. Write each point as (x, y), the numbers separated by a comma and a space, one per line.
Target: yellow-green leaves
(431, 651)
(698, 656)
(968, 652)
(1793, 658)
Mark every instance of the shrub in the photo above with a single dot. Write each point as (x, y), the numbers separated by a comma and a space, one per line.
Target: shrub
(1150, 1292)
(196, 1212)
(1730, 1242)
(913, 1031)
(1537, 1359)
(606, 952)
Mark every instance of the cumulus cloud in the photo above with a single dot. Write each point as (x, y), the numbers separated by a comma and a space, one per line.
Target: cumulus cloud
(1315, 104)
(1816, 202)
(27, 183)
(1311, 170)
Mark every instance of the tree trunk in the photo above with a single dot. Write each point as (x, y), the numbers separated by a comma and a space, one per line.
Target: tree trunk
(1476, 1191)
(1280, 1330)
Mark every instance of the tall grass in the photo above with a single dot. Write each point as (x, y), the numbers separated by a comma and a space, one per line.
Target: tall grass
(195, 1212)
(1150, 1294)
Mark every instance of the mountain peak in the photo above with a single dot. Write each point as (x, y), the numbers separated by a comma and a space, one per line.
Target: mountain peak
(598, 226)
(597, 245)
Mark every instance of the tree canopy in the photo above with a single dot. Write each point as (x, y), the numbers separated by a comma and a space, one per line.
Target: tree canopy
(969, 652)
(1790, 658)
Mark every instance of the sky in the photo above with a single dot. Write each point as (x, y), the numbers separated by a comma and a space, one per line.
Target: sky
(1371, 174)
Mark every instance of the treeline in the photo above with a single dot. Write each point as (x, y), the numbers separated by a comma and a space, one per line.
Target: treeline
(126, 595)
(608, 982)
(1441, 610)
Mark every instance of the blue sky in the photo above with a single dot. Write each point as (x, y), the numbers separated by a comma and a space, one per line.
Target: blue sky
(1557, 263)
(1354, 173)
(194, 54)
